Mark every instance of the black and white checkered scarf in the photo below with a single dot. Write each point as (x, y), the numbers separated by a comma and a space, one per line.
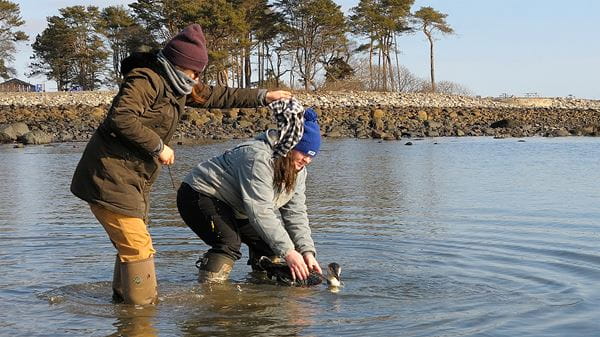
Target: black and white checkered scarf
(290, 124)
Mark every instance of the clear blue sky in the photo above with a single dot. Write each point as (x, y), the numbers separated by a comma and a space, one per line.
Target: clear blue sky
(548, 47)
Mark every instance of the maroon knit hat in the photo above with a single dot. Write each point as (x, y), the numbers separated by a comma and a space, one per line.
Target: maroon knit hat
(188, 49)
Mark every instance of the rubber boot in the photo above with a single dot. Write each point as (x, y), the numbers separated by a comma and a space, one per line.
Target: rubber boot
(138, 280)
(117, 296)
(214, 268)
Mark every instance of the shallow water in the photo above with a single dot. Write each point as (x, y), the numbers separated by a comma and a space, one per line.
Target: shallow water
(448, 237)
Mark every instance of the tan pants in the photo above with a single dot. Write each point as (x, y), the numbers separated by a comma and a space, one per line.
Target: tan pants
(128, 234)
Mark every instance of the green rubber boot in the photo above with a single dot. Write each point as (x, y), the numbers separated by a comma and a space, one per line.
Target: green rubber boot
(138, 280)
(117, 296)
(214, 268)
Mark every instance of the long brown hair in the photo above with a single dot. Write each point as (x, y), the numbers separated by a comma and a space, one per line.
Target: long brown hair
(284, 177)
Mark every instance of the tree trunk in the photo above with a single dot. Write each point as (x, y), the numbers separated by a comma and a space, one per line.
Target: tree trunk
(303, 68)
(389, 63)
(431, 61)
(384, 69)
(239, 66)
(371, 81)
(292, 79)
(259, 62)
(379, 86)
(397, 63)
(247, 64)
(262, 66)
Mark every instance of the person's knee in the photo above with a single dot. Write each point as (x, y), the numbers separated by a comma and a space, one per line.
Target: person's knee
(132, 254)
(231, 250)
(132, 240)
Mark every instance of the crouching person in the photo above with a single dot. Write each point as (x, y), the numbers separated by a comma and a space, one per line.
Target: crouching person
(233, 198)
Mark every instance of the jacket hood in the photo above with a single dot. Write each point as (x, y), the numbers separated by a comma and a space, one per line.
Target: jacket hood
(145, 60)
(139, 60)
(271, 137)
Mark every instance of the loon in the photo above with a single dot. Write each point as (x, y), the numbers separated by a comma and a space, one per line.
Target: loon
(333, 276)
(280, 272)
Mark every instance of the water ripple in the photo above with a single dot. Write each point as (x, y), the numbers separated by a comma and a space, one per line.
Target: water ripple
(465, 237)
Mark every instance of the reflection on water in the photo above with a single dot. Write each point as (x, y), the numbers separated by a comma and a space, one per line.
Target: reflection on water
(453, 237)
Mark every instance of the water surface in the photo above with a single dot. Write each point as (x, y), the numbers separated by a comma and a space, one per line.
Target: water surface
(448, 237)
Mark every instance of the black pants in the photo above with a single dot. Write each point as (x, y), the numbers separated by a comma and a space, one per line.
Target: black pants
(214, 222)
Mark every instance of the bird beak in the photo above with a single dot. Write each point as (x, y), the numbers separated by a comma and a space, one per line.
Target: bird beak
(336, 275)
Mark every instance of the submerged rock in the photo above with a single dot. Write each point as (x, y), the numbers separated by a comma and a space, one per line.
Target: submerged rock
(36, 137)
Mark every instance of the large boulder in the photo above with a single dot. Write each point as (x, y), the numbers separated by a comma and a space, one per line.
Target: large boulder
(216, 116)
(377, 114)
(504, 123)
(36, 137)
(562, 132)
(244, 123)
(231, 113)
(200, 120)
(98, 112)
(197, 118)
(11, 132)
(433, 125)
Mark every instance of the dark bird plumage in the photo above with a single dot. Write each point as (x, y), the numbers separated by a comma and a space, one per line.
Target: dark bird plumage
(280, 272)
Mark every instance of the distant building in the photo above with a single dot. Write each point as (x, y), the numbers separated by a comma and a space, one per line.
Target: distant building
(16, 85)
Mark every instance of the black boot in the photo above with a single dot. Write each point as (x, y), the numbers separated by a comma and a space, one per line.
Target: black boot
(214, 268)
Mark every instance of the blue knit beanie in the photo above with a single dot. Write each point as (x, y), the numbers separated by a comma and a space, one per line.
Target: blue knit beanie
(311, 138)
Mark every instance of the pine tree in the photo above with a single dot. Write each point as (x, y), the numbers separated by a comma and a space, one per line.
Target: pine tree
(10, 19)
(381, 21)
(71, 50)
(429, 21)
(317, 34)
(124, 36)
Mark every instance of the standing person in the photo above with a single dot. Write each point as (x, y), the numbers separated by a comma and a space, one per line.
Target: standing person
(234, 197)
(124, 156)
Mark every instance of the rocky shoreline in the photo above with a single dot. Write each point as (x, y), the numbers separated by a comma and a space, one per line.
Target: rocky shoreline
(38, 118)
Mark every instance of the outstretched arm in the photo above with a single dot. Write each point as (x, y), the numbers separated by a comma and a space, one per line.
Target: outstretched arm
(277, 95)
(205, 96)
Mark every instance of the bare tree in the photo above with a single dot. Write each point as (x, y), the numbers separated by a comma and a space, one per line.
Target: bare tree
(452, 88)
(405, 80)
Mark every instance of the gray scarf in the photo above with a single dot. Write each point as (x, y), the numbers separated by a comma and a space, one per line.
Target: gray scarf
(181, 82)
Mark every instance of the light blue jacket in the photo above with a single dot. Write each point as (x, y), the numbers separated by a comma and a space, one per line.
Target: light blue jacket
(242, 177)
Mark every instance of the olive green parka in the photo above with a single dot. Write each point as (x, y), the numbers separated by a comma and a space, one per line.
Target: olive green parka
(120, 164)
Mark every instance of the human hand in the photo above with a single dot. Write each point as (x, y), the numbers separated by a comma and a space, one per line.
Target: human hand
(297, 266)
(166, 156)
(277, 95)
(311, 262)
